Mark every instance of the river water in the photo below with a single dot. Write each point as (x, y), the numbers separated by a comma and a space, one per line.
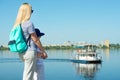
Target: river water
(56, 67)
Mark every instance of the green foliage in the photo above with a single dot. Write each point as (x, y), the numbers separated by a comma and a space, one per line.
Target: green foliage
(112, 46)
(3, 48)
(58, 47)
(115, 46)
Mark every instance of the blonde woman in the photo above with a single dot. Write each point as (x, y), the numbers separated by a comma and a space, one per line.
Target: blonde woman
(28, 57)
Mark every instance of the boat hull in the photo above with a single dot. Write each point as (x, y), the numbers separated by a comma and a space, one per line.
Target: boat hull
(85, 61)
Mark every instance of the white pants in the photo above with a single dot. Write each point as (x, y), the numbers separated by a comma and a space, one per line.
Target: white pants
(29, 59)
(39, 72)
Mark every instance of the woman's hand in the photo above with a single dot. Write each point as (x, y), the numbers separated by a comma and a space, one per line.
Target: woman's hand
(39, 55)
(44, 55)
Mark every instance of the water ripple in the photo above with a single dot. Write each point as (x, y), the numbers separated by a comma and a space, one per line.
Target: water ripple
(7, 60)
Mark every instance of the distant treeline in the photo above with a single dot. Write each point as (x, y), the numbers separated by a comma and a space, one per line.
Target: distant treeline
(3, 48)
(114, 45)
(111, 46)
(58, 47)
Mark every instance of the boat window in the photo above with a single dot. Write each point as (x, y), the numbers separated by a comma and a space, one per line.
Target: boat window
(91, 55)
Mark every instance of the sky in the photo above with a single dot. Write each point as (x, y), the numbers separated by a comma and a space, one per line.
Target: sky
(92, 21)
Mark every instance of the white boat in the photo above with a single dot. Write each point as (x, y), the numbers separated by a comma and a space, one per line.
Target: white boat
(88, 54)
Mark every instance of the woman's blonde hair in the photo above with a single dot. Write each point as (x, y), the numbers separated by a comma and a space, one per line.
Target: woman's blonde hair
(24, 14)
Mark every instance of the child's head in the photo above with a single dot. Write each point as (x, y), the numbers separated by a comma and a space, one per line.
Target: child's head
(38, 33)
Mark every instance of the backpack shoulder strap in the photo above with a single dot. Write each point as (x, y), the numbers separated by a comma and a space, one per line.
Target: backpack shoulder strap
(28, 39)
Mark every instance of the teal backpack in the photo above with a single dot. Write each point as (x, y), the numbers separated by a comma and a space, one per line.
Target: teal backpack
(17, 41)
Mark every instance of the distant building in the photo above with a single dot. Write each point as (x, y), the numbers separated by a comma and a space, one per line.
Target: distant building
(67, 43)
(107, 43)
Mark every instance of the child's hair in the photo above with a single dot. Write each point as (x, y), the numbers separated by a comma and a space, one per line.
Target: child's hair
(38, 33)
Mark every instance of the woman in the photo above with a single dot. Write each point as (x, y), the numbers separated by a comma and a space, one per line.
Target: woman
(29, 57)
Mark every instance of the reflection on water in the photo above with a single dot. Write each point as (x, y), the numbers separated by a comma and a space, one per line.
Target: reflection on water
(87, 71)
(8, 57)
(8, 54)
(107, 52)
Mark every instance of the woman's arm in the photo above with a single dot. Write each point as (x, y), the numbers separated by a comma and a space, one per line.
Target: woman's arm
(38, 43)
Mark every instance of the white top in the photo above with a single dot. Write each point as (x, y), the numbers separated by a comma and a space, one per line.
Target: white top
(39, 60)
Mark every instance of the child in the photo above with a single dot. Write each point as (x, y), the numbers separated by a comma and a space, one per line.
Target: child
(39, 72)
